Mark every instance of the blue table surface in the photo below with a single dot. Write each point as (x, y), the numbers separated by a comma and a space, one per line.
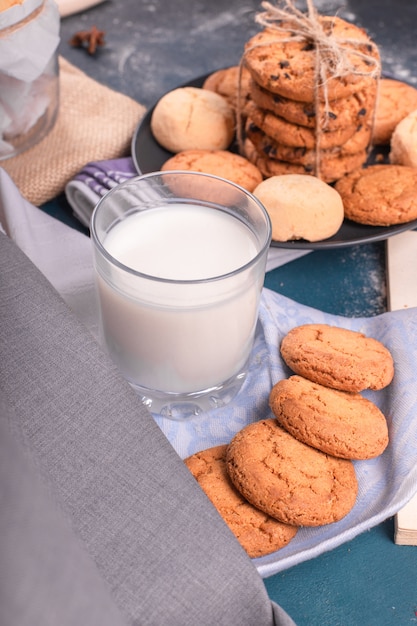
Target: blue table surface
(153, 47)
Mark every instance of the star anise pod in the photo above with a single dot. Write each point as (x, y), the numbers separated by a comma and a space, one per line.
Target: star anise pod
(88, 39)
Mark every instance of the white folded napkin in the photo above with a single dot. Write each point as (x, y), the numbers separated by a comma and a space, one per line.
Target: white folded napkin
(385, 483)
(62, 254)
(96, 178)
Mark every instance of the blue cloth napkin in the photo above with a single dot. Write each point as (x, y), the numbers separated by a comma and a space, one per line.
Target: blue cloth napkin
(385, 483)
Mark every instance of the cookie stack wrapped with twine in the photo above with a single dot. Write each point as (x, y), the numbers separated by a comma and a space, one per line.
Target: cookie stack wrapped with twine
(313, 89)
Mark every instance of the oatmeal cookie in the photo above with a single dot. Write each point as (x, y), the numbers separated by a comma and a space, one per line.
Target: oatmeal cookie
(380, 195)
(337, 357)
(225, 82)
(222, 163)
(287, 479)
(257, 532)
(396, 100)
(340, 423)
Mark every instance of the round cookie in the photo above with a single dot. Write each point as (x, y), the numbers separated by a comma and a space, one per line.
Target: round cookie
(330, 170)
(225, 82)
(340, 113)
(290, 481)
(340, 423)
(380, 195)
(286, 65)
(298, 136)
(300, 207)
(395, 101)
(258, 533)
(404, 142)
(218, 162)
(189, 117)
(303, 156)
(337, 357)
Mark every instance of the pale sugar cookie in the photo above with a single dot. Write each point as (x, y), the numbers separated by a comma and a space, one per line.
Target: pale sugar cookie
(300, 207)
(189, 117)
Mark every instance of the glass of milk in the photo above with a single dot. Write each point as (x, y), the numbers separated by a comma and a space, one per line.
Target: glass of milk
(180, 262)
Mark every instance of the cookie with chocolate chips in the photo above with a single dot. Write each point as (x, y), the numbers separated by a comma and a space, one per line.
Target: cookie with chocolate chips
(285, 64)
(295, 135)
(278, 150)
(356, 109)
(330, 170)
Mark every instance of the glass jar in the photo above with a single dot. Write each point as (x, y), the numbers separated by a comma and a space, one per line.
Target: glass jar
(29, 74)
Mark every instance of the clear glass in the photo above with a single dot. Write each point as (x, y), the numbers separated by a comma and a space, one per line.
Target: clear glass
(180, 264)
(29, 75)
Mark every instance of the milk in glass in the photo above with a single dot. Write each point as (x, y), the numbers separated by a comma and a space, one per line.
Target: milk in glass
(181, 319)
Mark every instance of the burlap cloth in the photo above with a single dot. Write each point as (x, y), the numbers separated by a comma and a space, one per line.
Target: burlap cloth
(93, 123)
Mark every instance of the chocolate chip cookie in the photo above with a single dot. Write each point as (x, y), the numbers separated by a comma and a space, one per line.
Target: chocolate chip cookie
(330, 170)
(337, 114)
(295, 135)
(277, 150)
(285, 64)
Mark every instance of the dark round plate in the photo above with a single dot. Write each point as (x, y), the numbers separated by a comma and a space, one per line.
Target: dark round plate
(148, 156)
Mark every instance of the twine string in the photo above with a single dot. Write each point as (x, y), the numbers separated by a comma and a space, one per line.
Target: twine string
(334, 57)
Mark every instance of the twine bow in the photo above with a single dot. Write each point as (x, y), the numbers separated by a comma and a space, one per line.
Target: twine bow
(334, 57)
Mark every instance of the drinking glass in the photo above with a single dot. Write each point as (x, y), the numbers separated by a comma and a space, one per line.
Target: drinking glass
(179, 264)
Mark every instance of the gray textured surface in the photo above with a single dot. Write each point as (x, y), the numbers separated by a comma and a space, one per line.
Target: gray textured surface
(154, 46)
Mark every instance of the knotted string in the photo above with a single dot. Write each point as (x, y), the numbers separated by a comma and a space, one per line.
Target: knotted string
(333, 56)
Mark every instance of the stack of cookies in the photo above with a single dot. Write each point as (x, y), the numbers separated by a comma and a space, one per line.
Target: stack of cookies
(296, 469)
(285, 133)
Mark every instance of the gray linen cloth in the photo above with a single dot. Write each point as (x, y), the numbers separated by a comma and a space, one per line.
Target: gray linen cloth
(100, 521)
